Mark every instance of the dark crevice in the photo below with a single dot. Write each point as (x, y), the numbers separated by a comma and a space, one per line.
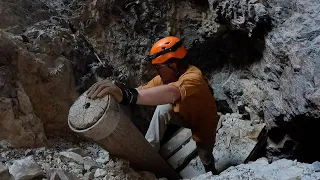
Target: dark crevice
(276, 134)
(232, 47)
(204, 4)
(301, 135)
(223, 106)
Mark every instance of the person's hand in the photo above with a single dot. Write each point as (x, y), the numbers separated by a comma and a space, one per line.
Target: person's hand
(102, 88)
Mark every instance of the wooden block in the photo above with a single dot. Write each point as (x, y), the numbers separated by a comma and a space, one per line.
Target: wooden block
(182, 155)
(258, 128)
(175, 143)
(261, 139)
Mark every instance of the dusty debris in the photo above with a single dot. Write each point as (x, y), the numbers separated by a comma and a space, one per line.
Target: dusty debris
(57, 161)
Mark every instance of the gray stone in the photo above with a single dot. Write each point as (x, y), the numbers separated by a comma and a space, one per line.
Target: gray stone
(25, 169)
(75, 168)
(71, 156)
(316, 166)
(40, 151)
(90, 164)
(93, 150)
(62, 175)
(88, 176)
(102, 160)
(236, 141)
(4, 144)
(100, 173)
(79, 151)
(109, 177)
(28, 152)
(45, 166)
(103, 154)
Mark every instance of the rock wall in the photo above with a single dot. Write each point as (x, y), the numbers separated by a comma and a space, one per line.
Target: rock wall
(281, 89)
(43, 69)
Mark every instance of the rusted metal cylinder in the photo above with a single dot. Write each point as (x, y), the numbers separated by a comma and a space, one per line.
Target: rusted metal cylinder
(105, 122)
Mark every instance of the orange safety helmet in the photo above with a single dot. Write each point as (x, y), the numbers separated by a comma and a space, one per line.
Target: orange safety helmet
(166, 48)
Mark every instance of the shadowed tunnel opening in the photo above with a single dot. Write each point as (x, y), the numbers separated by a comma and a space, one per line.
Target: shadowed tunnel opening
(298, 137)
(230, 47)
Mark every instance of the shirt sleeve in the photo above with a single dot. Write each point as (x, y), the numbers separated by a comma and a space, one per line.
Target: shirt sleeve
(188, 85)
(156, 81)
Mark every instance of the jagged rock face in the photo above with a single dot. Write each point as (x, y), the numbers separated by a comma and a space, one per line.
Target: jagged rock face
(281, 88)
(17, 118)
(42, 71)
(17, 15)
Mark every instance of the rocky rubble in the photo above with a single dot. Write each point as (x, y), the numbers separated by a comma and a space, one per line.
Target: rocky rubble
(64, 160)
(282, 169)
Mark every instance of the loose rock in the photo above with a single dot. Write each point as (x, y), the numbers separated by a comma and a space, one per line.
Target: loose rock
(25, 169)
(316, 166)
(88, 176)
(28, 152)
(62, 175)
(100, 173)
(79, 151)
(71, 156)
(89, 163)
(75, 168)
(102, 160)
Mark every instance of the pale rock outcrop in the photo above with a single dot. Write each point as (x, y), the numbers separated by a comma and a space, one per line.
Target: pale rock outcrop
(282, 169)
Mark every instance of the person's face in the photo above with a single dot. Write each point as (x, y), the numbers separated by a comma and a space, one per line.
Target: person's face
(167, 72)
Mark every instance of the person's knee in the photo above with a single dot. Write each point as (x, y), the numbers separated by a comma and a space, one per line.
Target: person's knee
(163, 111)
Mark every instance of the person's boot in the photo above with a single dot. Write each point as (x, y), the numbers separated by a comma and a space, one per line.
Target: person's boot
(211, 167)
